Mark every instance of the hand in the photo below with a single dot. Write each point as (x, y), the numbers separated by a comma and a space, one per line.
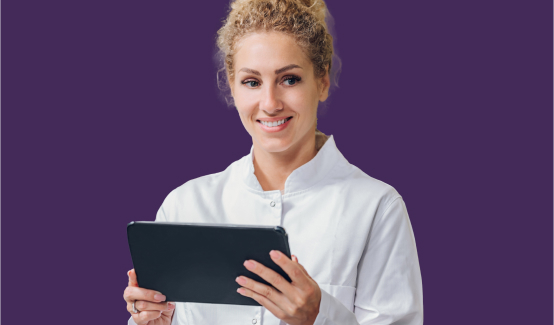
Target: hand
(296, 303)
(152, 309)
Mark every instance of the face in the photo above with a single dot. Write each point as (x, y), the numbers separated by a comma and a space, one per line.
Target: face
(276, 92)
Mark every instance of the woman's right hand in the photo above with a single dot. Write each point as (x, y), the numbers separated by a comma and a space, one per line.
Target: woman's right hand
(152, 311)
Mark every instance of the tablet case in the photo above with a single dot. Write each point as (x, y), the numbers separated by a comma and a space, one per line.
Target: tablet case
(199, 262)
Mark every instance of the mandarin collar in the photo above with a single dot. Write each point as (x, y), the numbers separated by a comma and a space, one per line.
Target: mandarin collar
(302, 177)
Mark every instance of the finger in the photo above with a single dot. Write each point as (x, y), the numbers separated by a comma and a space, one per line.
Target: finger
(274, 278)
(133, 293)
(304, 270)
(143, 305)
(146, 316)
(295, 259)
(292, 269)
(132, 278)
(268, 304)
(171, 308)
(267, 291)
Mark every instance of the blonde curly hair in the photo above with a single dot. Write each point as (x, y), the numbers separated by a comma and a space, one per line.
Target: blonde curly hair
(308, 21)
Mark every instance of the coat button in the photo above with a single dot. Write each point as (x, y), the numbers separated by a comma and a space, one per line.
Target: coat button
(272, 204)
(254, 321)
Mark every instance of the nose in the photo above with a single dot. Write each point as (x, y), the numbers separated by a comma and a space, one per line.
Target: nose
(270, 101)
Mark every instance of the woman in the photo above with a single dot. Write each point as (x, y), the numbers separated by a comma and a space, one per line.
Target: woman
(350, 232)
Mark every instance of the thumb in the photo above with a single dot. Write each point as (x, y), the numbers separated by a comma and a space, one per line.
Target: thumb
(132, 278)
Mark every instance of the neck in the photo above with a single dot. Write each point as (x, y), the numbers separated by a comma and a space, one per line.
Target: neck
(273, 168)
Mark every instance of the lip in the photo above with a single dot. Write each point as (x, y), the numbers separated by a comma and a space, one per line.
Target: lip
(275, 128)
(272, 119)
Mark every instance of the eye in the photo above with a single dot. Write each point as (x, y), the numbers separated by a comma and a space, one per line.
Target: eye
(291, 80)
(251, 83)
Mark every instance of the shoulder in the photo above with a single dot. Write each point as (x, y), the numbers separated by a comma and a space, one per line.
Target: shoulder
(362, 186)
(352, 183)
(206, 185)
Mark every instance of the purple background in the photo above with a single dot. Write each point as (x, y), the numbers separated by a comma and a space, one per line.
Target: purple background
(107, 106)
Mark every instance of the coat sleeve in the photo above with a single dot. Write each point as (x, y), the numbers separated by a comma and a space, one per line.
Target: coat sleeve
(388, 289)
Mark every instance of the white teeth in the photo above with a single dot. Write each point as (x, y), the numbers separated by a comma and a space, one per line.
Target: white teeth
(273, 124)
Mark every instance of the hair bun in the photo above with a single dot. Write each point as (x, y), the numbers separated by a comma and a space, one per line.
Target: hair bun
(317, 8)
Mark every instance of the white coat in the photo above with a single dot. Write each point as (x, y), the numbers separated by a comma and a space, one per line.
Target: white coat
(350, 231)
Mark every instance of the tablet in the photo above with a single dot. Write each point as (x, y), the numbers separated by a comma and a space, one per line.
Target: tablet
(192, 262)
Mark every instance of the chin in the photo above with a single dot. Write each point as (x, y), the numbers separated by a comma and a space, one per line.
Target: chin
(274, 144)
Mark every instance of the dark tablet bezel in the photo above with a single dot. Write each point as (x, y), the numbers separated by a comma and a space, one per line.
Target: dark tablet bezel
(161, 250)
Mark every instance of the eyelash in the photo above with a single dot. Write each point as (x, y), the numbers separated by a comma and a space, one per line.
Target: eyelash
(290, 77)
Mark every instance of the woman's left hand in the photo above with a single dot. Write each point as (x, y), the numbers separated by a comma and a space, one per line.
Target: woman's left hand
(296, 303)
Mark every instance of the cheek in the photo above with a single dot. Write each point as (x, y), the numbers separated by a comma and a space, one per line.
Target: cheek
(245, 116)
(304, 103)
(246, 120)
(244, 99)
(246, 111)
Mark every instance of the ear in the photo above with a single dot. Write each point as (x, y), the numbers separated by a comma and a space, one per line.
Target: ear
(325, 83)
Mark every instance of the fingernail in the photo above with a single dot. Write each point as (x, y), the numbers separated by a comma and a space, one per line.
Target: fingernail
(275, 254)
(240, 290)
(170, 306)
(159, 297)
(249, 264)
(240, 280)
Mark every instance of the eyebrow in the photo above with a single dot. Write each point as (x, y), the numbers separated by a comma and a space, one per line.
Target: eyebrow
(281, 70)
(288, 67)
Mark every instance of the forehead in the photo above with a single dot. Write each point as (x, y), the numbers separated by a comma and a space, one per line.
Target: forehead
(271, 50)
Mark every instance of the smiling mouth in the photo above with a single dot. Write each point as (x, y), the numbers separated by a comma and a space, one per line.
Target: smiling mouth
(276, 123)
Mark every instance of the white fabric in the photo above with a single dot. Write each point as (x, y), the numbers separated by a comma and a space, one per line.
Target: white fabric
(350, 231)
